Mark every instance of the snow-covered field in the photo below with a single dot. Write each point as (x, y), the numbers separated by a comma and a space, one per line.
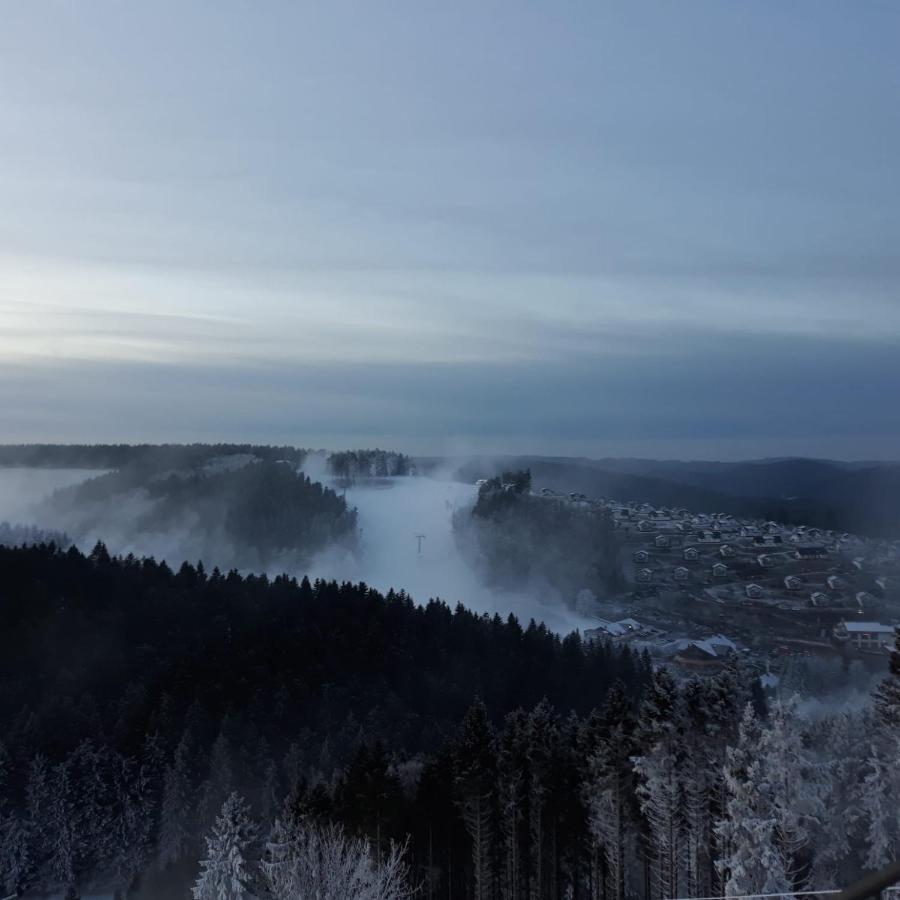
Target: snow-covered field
(391, 515)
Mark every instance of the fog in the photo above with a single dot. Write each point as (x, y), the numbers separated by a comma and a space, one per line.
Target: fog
(22, 488)
(392, 512)
(391, 515)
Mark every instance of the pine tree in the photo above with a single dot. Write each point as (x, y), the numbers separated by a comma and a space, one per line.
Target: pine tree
(842, 770)
(512, 775)
(749, 859)
(226, 872)
(176, 838)
(474, 787)
(880, 802)
(795, 788)
(887, 696)
(608, 786)
(542, 743)
(16, 866)
(659, 790)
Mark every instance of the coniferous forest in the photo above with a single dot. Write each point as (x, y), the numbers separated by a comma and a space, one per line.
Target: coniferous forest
(176, 730)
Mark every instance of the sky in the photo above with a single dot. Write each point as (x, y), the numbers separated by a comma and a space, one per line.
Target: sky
(600, 229)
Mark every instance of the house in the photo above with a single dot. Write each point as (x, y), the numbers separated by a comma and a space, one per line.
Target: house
(865, 635)
(640, 556)
(819, 598)
(767, 561)
(707, 653)
(681, 573)
(793, 582)
(720, 570)
(836, 583)
(815, 551)
(691, 554)
(644, 575)
(754, 591)
(662, 540)
(864, 599)
(645, 525)
(726, 551)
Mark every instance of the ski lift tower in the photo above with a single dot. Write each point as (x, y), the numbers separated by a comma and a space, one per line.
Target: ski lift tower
(419, 538)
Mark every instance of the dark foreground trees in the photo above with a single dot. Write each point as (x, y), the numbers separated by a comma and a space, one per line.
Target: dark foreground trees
(310, 728)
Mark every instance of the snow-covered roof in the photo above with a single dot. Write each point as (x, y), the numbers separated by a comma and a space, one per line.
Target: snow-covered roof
(857, 627)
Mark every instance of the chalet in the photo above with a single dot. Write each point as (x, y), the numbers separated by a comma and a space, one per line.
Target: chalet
(709, 653)
(815, 551)
(726, 551)
(754, 592)
(793, 583)
(720, 570)
(767, 561)
(836, 583)
(662, 540)
(645, 525)
(681, 573)
(864, 599)
(819, 598)
(644, 575)
(865, 635)
(691, 554)
(641, 556)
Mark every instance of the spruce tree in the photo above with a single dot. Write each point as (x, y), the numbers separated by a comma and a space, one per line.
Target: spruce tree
(227, 871)
(474, 769)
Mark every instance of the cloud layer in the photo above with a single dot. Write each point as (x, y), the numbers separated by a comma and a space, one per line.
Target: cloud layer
(670, 230)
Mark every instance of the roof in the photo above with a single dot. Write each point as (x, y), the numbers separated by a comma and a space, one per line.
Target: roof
(857, 627)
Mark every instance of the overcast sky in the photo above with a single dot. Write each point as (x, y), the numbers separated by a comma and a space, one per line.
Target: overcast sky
(602, 229)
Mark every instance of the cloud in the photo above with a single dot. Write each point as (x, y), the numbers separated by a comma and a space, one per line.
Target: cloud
(671, 224)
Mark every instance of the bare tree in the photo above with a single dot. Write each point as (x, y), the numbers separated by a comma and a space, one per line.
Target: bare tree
(303, 860)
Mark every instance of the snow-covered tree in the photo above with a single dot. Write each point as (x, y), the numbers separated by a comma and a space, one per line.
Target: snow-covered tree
(749, 860)
(227, 872)
(794, 787)
(304, 860)
(880, 804)
(887, 696)
(608, 785)
(659, 790)
(842, 756)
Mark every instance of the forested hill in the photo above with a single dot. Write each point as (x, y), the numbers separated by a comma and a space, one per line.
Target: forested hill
(121, 647)
(516, 539)
(234, 511)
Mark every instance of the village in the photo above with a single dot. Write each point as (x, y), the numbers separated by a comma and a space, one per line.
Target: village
(702, 587)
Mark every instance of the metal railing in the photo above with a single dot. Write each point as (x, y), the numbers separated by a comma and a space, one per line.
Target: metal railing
(874, 885)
